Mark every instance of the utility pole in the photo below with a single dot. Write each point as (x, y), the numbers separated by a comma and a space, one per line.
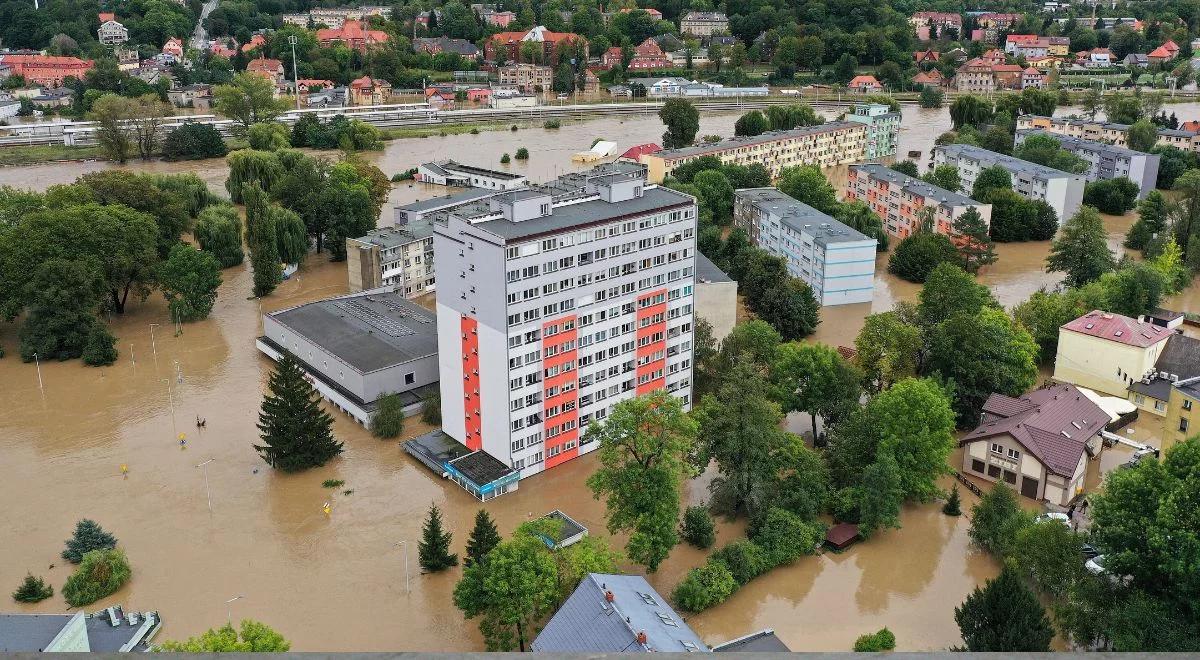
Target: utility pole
(171, 400)
(295, 77)
(407, 588)
(38, 361)
(206, 488)
(153, 345)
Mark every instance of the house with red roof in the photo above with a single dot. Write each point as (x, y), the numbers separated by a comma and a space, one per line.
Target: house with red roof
(352, 34)
(1190, 126)
(1171, 47)
(931, 78)
(1159, 55)
(256, 41)
(46, 70)
(508, 44)
(372, 91)
(648, 55)
(928, 56)
(611, 57)
(1038, 444)
(1031, 77)
(308, 85)
(174, 48)
(634, 153)
(1107, 352)
(269, 68)
(865, 85)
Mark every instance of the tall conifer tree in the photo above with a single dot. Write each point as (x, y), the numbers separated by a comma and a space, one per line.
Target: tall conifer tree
(434, 548)
(296, 433)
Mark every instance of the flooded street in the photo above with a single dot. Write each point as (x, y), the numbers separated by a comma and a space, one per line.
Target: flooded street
(337, 583)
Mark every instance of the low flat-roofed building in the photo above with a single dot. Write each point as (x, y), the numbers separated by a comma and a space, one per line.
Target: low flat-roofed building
(1179, 361)
(451, 173)
(358, 348)
(111, 630)
(716, 297)
(763, 641)
(1063, 191)
(478, 472)
(1106, 161)
(837, 261)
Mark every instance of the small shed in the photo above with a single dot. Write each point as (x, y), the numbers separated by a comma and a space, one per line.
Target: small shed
(566, 530)
(842, 536)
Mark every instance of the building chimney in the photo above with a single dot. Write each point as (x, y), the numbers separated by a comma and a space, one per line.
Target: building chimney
(608, 596)
(642, 637)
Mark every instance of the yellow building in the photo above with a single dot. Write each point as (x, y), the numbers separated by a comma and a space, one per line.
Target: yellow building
(827, 145)
(1107, 352)
(1183, 409)
(1099, 131)
(1178, 361)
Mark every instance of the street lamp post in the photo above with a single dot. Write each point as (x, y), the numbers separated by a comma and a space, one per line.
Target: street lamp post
(407, 587)
(295, 77)
(229, 609)
(206, 488)
(37, 360)
(153, 345)
(171, 401)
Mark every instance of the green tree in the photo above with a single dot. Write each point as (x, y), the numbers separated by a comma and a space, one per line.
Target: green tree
(1122, 108)
(716, 194)
(100, 573)
(114, 133)
(1047, 552)
(388, 420)
(906, 167)
(268, 136)
(682, 121)
(1169, 263)
(915, 426)
(989, 179)
(982, 353)
(814, 378)
(953, 505)
(33, 590)
(1152, 220)
(433, 550)
(510, 592)
(484, 536)
(880, 497)
(296, 433)
(931, 97)
(945, 177)
(1134, 289)
(881, 640)
(704, 587)
(219, 232)
(970, 110)
(1044, 313)
(248, 99)
(1081, 250)
(807, 184)
(845, 68)
(698, 528)
(62, 313)
(263, 241)
(189, 279)
(888, 350)
(750, 124)
(193, 141)
(1112, 196)
(254, 637)
(1173, 162)
(646, 449)
(347, 199)
(291, 235)
(918, 254)
(790, 307)
(1142, 136)
(249, 166)
(996, 521)
(1004, 615)
(975, 247)
(949, 290)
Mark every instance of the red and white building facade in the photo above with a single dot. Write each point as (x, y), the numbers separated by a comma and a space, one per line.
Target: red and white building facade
(554, 307)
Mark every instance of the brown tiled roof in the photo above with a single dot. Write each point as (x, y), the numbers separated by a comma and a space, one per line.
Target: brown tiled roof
(1120, 329)
(1053, 424)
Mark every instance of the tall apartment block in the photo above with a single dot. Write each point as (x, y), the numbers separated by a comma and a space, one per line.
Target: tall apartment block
(898, 200)
(1107, 161)
(883, 129)
(837, 261)
(1063, 191)
(556, 302)
(1108, 132)
(827, 145)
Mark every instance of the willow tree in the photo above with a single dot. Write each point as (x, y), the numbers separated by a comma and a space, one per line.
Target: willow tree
(250, 166)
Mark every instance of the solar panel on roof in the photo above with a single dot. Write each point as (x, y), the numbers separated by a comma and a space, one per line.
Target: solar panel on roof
(363, 313)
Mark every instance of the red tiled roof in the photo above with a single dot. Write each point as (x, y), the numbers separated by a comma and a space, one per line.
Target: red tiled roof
(863, 81)
(1171, 46)
(1005, 68)
(635, 151)
(264, 64)
(1159, 52)
(1022, 38)
(106, 16)
(1117, 328)
(1032, 72)
(1190, 126)
(1053, 424)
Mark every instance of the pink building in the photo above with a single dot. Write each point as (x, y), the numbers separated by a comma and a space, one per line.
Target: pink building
(479, 95)
(174, 48)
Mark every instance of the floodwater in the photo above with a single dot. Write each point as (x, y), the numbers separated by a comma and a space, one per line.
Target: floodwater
(338, 583)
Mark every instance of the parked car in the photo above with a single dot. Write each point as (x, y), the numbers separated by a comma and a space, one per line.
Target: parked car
(1095, 565)
(1140, 454)
(1054, 516)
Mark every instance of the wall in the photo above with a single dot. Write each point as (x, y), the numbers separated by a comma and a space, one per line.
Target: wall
(1093, 363)
(1175, 412)
(716, 302)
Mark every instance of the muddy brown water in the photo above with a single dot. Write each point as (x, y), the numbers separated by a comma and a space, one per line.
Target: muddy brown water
(337, 583)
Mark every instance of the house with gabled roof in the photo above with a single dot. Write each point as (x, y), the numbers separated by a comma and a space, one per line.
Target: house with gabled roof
(1107, 352)
(1038, 444)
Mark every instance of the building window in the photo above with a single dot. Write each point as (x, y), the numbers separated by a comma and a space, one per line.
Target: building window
(1183, 424)
(1187, 404)
(410, 378)
(1160, 406)
(977, 465)
(1014, 454)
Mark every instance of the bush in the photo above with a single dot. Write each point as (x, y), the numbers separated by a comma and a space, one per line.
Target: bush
(785, 536)
(552, 123)
(883, 640)
(388, 420)
(101, 347)
(931, 97)
(193, 141)
(744, 559)
(505, 159)
(268, 136)
(100, 574)
(704, 587)
(953, 505)
(1112, 196)
(33, 590)
(917, 255)
(697, 528)
(522, 154)
(89, 536)
(431, 409)
(997, 519)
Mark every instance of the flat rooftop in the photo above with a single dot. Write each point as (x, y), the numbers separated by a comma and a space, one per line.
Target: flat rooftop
(800, 217)
(1072, 143)
(454, 166)
(446, 201)
(765, 138)
(578, 214)
(368, 331)
(916, 186)
(397, 235)
(1010, 163)
(30, 632)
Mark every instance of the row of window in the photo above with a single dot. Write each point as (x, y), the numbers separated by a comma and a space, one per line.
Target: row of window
(588, 235)
(601, 295)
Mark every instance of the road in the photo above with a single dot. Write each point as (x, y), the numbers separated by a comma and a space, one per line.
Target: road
(201, 35)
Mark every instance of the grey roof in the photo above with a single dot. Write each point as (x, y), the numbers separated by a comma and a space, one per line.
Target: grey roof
(763, 641)
(800, 217)
(1009, 163)
(770, 136)
(584, 213)
(368, 331)
(1072, 143)
(649, 82)
(707, 271)
(916, 186)
(447, 201)
(454, 166)
(30, 632)
(389, 237)
(588, 623)
(1180, 357)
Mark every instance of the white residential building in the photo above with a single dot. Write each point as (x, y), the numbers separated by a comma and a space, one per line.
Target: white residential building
(838, 262)
(451, 173)
(1061, 190)
(112, 33)
(556, 302)
(1107, 161)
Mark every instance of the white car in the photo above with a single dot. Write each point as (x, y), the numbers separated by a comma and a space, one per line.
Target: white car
(1059, 517)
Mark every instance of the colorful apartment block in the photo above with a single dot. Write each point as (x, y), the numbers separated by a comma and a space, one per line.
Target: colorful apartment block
(883, 128)
(899, 200)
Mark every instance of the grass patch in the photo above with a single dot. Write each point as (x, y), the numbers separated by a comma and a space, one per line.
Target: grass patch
(41, 153)
(333, 483)
(440, 130)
